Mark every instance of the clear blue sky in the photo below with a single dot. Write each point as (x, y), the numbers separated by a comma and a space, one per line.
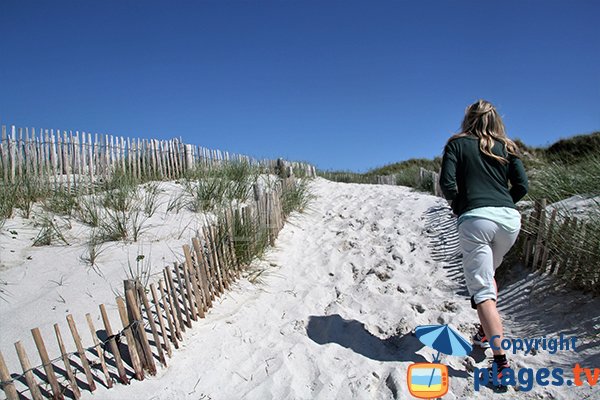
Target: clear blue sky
(342, 84)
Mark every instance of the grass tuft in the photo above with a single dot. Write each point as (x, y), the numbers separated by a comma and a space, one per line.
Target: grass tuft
(93, 250)
(60, 202)
(89, 210)
(150, 198)
(560, 179)
(208, 188)
(51, 230)
(296, 197)
(114, 227)
(142, 270)
(28, 190)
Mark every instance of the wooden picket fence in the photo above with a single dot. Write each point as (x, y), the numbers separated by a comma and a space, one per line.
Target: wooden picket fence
(78, 158)
(154, 319)
(386, 179)
(563, 246)
(430, 180)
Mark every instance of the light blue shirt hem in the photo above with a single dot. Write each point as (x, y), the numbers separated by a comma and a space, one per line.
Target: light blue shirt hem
(508, 218)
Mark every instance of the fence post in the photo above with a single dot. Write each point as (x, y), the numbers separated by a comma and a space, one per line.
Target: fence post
(127, 329)
(534, 221)
(204, 273)
(540, 233)
(75, 160)
(109, 381)
(161, 321)
(48, 367)
(81, 352)
(24, 149)
(65, 358)
(20, 153)
(13, 153)
(132, 305)
(150, 317)
(549, 242)
(230, 221)
(29, 378)
(140, 158)
(90, 159)
(141, 333)
(214, 261)
(131, 284)
(182, 289)
(34, 152)
(113, 346)
(4, 148)
(170, 314)
(174, 300)
(189, 160)
(191, 272)
(189, 289)
(8, 386)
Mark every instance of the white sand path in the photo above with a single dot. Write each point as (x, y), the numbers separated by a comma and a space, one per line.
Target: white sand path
(332, 316)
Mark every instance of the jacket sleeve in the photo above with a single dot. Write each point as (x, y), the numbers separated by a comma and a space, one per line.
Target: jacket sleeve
(518, 179)
(448, 173)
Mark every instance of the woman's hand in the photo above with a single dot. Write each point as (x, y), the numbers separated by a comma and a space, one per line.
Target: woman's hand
(450, 204)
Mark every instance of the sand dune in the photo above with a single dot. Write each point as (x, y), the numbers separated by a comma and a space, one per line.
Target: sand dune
(332, 315)
(330, 311)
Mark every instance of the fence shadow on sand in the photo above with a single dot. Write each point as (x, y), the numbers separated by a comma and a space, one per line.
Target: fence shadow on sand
(441, 229)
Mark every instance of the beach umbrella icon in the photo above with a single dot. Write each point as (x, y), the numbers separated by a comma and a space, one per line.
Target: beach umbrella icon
(444, 339)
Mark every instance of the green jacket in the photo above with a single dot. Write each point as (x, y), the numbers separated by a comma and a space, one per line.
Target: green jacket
(470, 179)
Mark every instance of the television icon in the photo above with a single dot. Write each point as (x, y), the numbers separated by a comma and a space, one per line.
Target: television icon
(427, 380)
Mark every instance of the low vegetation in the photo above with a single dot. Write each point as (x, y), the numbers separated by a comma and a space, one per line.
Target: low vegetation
(118, 207)
(414, 164)
(208, 187)
(296, 197)
(566, 168)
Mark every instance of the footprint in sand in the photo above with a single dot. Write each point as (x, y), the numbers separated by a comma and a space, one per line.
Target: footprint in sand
(418, 308)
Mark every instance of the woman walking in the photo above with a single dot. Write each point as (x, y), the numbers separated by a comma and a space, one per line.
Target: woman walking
(477, 167)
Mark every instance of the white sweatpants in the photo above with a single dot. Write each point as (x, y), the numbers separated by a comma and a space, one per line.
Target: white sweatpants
(484, 244)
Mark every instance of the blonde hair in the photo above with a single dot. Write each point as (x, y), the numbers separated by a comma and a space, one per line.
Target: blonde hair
(483, 121)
